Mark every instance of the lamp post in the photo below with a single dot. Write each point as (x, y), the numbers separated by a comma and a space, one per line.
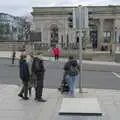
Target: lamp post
(117, 34)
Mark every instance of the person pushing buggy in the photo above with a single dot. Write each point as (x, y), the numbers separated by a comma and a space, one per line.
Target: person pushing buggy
(71, 69)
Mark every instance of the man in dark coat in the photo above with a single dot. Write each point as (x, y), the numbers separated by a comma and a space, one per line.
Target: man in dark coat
(24, 75)
(39, 70)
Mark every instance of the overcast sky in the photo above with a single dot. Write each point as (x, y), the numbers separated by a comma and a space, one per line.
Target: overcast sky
(24, 7)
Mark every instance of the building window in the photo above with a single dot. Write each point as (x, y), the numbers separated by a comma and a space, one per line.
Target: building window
(77, 40)
(35, 36)
(107, 36)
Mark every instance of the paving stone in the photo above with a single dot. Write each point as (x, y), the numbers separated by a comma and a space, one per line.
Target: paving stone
(14, 108)
(80, 106)
(76, 118)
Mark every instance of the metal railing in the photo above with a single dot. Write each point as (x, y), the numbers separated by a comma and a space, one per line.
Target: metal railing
(8, 45)
(39, 46)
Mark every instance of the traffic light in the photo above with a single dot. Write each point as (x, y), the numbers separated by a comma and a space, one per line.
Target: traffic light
(70, 20)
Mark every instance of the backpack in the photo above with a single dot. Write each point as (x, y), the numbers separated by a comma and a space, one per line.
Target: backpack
(73, 70)
(37, 66)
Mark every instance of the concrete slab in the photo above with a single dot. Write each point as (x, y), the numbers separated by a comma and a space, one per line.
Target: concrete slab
(84, 106)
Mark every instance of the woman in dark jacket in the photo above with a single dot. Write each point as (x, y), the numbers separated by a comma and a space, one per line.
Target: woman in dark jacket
(24, 76)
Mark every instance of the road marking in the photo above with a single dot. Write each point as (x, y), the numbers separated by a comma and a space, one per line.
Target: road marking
(117, 75)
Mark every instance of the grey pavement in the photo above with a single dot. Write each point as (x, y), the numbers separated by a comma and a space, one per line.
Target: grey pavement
(14, 108)
(97, 81)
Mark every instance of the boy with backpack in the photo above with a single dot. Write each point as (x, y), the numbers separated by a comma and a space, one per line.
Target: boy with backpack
(71, 71)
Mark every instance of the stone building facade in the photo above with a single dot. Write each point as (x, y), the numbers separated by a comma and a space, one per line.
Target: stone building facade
(52, 24)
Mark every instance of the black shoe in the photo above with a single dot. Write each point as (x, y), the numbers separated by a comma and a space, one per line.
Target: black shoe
(36, 99)
(20, 95)
(25, 98)
(30, 94)
(59, 89)
(41, 100)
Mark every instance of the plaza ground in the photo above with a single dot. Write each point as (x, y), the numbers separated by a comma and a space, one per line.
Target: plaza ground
(100, 80)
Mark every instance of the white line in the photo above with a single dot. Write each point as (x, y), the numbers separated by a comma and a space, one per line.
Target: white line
(118, 76)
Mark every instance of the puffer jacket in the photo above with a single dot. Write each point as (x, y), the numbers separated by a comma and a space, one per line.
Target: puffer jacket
(69, 64)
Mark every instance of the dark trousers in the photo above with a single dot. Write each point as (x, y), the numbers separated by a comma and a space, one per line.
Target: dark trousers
(24, 90)
(39, 86)
(56, 57)
(13, 59)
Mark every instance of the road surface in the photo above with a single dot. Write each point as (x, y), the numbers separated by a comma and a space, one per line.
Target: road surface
(94, 76)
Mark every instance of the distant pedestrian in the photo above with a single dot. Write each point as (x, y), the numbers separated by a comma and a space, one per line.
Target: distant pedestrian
(29, 62)
(71, 71)
(13, 56)
(56, 52)
(39, 70)
(24, 76)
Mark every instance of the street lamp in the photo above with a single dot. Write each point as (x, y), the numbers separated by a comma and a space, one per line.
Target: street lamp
(117, 39)
(117, 47)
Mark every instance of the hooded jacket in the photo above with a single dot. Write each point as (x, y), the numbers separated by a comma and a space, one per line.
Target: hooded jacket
(70, 63)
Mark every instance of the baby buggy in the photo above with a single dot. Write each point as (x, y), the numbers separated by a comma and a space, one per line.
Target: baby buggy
(64, 85)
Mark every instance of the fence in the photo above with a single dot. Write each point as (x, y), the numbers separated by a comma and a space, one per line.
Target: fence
(41, 46)
(18, 45)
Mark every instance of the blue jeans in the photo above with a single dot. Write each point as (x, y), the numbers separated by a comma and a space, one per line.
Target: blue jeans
(71, 83)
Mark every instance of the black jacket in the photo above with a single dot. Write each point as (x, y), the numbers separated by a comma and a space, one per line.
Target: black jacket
(24, 70)
(38, 66)
(70, 63)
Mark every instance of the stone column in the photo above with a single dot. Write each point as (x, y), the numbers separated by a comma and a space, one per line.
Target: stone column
(114, 36)
(117, 39)
(42, 33)
(48, 37)
(100, 33)
(74, 36)
(64, 36)
(65, 31)
(117, 45)
(117, 34)
(59, 36)
(70, 35)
